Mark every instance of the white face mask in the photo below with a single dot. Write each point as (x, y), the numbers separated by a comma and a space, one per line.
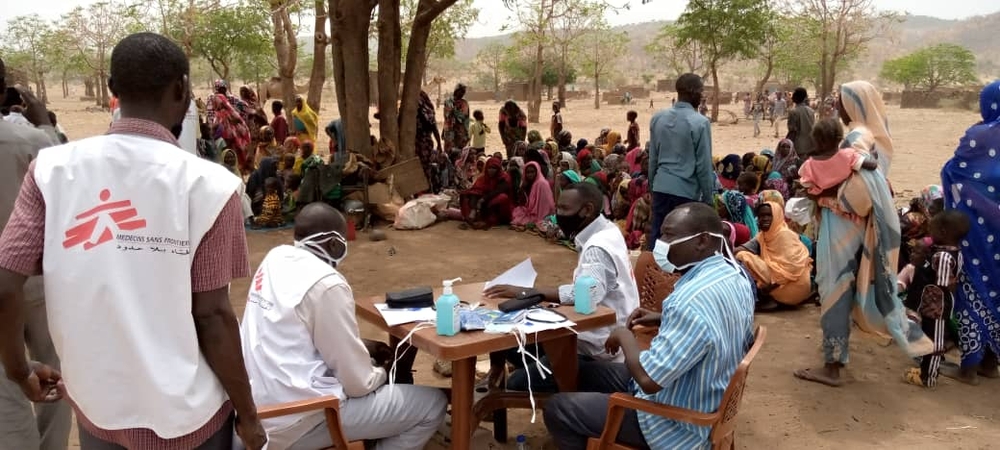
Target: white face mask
(314, 244)
(661, 252)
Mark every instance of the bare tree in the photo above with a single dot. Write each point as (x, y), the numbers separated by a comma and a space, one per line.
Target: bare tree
(844, 28)
(95, 31)
(599, 49)
(491, 58)
(320, 40)
(572, 21)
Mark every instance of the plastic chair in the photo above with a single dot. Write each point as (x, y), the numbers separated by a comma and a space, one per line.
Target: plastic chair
(654, 285)
(330, 406)
(722, 421)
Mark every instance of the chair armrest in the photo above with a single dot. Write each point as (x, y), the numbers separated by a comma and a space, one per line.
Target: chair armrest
(625, 401)
(301, 406)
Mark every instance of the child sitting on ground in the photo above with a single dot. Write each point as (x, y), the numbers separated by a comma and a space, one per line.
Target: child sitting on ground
(747, 183)
(270, 214)
(930, 297)
(830, 165)
(290, 204)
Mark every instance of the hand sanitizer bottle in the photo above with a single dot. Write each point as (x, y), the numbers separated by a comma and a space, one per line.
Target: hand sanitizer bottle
(583, 291)
(447, 310)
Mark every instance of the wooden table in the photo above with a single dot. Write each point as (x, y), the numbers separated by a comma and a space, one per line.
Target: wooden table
(463, 348)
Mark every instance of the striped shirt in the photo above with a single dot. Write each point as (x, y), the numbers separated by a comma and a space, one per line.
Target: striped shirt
(705, 332)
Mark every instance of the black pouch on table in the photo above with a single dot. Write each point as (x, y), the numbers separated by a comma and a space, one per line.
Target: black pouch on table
(420, 297)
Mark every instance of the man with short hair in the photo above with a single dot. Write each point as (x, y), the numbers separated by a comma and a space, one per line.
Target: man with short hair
(138, 241)
(604, 256)
(301, 341)
(680, 154)
(801, 119)
(704, 333)
(48, 427)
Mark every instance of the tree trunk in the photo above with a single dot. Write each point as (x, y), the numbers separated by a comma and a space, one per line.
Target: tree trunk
(715, 87)
(416, 60)
(767, 75)
(286, 48)
(389, 62)
(597, 92)
(43, 92)
(65, 85)
(535, 93)
(349, 21)
(318, 76)
(562, 77)
(88, 87)
(104, 99)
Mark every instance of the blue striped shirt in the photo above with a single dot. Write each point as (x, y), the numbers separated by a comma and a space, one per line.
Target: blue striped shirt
(704, 334)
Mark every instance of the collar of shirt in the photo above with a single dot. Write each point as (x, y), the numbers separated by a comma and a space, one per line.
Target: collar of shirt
(142, 127)
(590, 230)
(683, 105)
(705, 264)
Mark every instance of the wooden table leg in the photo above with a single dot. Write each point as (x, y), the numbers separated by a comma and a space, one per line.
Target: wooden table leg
(563, 359)
(463, 381)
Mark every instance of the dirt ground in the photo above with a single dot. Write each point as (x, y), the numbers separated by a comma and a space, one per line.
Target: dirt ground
(874, 410)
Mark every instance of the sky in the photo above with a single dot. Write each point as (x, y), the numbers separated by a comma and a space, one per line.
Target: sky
(493, 15)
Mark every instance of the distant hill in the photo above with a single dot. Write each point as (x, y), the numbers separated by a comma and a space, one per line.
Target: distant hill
(978, 34)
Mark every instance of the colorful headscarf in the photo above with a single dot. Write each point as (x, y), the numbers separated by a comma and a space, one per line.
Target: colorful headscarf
(771, 195)
(739, 212)
(782, 250)
(989, 103)
(865, 107)
(731, 167)
(762, 164)
(610, 164)
(572, 176)
(768, 153)
(534, 136)
(929, 194)
(220, 84)
(776, 182)
(782, 163)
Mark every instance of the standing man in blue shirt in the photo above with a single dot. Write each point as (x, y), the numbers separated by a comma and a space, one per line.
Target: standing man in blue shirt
(705, 330)
(680, 154)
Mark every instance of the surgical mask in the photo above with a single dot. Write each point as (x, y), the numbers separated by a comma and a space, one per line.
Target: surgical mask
(314, 244)
(661, 252)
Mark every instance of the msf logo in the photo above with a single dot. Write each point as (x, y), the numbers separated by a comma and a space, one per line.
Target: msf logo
(118, 214)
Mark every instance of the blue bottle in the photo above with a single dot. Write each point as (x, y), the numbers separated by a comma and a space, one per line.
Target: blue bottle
(583, 291)
(448, 323)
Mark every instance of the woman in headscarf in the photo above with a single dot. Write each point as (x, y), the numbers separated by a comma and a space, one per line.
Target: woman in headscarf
(427, 134)
(602, 139)
(588, 164)
(762, 165)
(732, 206)
(786, 161)
(338, 140)
(231, 162)
(862, 110)
(540, 203)
(455, 132)
(513, 125)
(565, 142)
(465, 169)
(580, 145)
(777, 259)
(551, 151)
(614, 138)
(266, 146)
(255, 184)
(775, 182)
(857, 248)
(747, 160)
(488, 202)
(535, 140)
(729, 170)
(305, 121)
(971, 184)
(520, 148)
(543, 162)
(632, 158)
(253, 114)
(228, 125)
(932, 200)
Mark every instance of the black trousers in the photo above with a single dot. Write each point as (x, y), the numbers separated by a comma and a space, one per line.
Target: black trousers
(574, 417)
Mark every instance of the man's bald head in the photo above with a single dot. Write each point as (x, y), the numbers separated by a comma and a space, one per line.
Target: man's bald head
(692, 218)
(318, 217)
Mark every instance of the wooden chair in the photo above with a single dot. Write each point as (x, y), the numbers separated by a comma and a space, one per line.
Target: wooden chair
(330, 406)
(654, 285)
(722, 421)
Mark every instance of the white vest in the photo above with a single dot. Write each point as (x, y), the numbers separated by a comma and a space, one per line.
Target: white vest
(189, 131)
(124, 215)
(623, 298)
(282, 361)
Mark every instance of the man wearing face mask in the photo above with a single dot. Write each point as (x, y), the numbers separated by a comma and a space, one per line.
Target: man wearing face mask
(301, 341)
(705, 330)
(604, 256)
(138, 241)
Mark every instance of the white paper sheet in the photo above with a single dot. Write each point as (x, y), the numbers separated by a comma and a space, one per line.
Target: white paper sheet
(395, 317)
(521, 275)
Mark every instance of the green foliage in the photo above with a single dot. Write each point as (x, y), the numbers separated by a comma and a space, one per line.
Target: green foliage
(233, 37)
(28, 49)
(667, 52)
(932, 67)
(519, 64)
(450, 26)
(725, 29)
(599, 51)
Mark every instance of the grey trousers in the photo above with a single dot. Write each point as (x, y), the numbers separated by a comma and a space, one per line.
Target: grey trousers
(46, 427)
(402, 418)
(574, 417)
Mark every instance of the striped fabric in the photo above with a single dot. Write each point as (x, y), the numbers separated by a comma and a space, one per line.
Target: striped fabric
(705, 332)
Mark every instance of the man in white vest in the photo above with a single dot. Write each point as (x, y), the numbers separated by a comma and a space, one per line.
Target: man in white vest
(138, 241)
(301, 340)
(604, 256)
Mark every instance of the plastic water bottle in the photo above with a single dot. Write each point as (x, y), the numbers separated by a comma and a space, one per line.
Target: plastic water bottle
(522, 442)
(583, 291)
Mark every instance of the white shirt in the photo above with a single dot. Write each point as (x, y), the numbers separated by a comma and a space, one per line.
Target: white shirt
(18, 119)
